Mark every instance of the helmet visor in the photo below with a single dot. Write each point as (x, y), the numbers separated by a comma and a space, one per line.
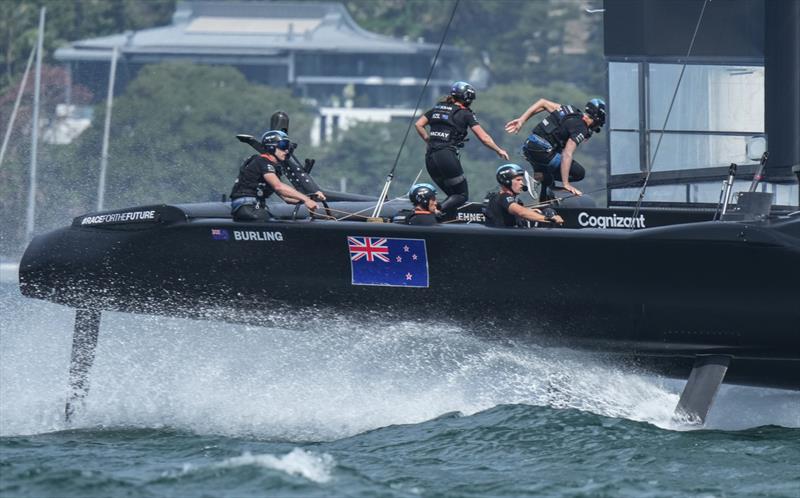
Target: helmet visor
(283, 144)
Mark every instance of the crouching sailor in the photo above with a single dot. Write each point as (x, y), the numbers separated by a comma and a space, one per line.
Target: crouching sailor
(259, 178)
(503, 209)
(423, 197)
(552, 143)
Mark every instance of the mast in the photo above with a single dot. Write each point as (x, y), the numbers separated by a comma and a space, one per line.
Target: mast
(101, 185)
(35, 132)
(16, 106)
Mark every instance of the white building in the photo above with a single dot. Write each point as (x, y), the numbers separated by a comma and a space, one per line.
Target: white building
(315, 49)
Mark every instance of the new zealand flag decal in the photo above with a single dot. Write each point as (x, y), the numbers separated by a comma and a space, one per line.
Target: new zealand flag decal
(219, 234)
(392, 262)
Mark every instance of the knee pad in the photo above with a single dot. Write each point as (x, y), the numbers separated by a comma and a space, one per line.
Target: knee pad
(576, 172)
(452, 203)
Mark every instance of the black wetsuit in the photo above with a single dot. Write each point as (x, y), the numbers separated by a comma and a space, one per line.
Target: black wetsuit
(250, 189)
(449, 124)
(495, 208)
(543, 147)
(421, 217)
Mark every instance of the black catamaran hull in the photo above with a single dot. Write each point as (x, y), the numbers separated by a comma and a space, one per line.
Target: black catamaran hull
(659, 296)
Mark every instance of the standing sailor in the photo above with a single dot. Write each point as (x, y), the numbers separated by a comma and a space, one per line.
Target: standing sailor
(552, 143)
(503, 210)
(449, 121)
(259, 177)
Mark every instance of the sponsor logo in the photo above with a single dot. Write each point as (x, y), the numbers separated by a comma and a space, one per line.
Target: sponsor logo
(472, 217)
(127, 217)
(219, 234)
(610, 221)
(254, 236)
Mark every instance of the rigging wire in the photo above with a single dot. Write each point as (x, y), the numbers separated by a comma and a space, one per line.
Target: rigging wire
(390, 176)
(669, 112)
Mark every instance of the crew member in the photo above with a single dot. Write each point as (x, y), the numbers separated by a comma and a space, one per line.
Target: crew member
(502, 209)
(259, 177)
(552, 143)
(423, 197)
(449, 121)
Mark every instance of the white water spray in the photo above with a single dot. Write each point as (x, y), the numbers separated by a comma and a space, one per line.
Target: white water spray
(327, 382)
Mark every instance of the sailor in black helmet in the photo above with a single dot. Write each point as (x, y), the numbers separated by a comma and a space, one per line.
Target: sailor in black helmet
(502, 209)
(259, 177)
(423, 197)
(449, 121)
(552, 143)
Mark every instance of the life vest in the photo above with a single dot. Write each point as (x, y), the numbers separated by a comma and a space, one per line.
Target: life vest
(551, 129)
(421, 217)
(444, 132)
(495, 215)
(250, 182)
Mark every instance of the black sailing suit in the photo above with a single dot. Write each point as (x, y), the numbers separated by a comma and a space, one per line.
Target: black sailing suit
(495, 208)
(448, 130)
(543, 147)
(250, 189)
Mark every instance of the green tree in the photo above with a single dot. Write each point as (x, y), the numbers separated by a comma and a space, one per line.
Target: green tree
(366, 153)
(16, 164)
(175, 129)
(532, 41)
(68, 21)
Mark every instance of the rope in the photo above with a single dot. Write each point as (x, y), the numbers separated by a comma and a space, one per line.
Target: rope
(666, 118)
(559, 199)
(390, 176)
(358, 214)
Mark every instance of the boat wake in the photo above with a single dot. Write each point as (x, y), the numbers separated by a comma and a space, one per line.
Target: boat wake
(333, 379)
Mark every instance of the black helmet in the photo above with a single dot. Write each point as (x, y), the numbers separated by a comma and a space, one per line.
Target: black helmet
(596, 109)
(507, 172)
(275, 139)
(421, 193)
(463, 91)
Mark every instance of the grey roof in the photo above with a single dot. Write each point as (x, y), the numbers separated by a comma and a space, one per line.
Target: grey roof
(247, 29)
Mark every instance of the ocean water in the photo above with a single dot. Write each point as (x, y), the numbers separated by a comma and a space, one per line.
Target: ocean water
(206, 408)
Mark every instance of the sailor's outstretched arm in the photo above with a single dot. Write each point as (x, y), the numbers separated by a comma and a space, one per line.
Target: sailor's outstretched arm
(287, 192)
(533, 214)
(488, 142)
(540, 105)
(566, 164)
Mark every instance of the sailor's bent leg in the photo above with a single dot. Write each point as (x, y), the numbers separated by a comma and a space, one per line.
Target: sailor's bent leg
(701, 388)
(84, 343)
(457, 191)
(576, 171)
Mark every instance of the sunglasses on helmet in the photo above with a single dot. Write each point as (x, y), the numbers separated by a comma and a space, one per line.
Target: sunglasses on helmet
(283, 144)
